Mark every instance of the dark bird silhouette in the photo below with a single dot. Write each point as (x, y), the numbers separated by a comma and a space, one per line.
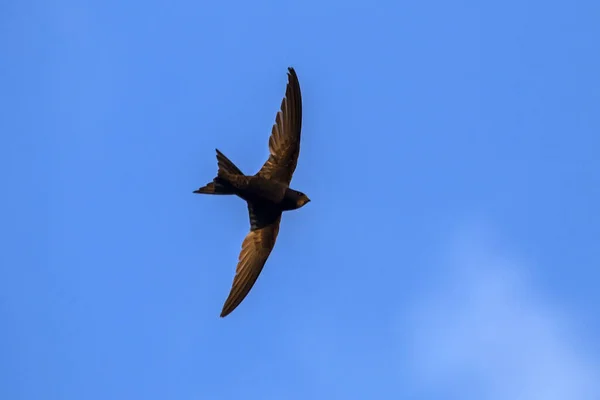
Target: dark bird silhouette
(267, 193)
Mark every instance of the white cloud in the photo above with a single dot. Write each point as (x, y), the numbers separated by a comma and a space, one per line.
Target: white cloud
(485, 333)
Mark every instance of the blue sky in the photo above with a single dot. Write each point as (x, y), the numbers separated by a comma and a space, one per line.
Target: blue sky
(450, 249)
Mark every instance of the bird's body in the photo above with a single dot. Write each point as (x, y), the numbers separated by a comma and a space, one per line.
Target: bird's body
(267, 193)
(259, 190)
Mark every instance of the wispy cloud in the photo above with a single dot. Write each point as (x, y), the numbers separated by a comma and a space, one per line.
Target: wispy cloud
(487, 333)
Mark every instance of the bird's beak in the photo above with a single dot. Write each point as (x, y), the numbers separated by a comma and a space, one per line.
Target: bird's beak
(302, 201)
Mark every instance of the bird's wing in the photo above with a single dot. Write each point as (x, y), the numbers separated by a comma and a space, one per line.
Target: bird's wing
(264, 227)
(284, 143)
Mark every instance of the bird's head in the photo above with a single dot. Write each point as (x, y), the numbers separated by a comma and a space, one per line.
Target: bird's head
(301, 199)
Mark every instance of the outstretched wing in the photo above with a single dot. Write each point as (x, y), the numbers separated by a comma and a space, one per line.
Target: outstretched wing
(284, 143)
(256, 248)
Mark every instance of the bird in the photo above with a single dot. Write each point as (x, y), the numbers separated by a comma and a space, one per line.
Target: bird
(267, 193)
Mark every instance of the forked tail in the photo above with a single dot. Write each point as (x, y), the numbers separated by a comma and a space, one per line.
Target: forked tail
(219, 185)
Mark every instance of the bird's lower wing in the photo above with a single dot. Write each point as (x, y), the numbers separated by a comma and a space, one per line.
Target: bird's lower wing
(256, 248)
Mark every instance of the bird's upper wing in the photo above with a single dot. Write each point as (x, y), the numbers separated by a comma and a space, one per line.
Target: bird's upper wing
(255, 250)
(284, 143)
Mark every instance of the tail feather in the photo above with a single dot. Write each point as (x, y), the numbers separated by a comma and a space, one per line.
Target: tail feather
(214, 188)
(225, 165)
(219, 185)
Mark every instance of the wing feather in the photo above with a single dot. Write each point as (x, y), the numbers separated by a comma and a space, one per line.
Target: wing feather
(284, 142)
(256, 248)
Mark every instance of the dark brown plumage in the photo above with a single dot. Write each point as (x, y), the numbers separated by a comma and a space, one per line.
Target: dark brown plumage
(267, 193)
